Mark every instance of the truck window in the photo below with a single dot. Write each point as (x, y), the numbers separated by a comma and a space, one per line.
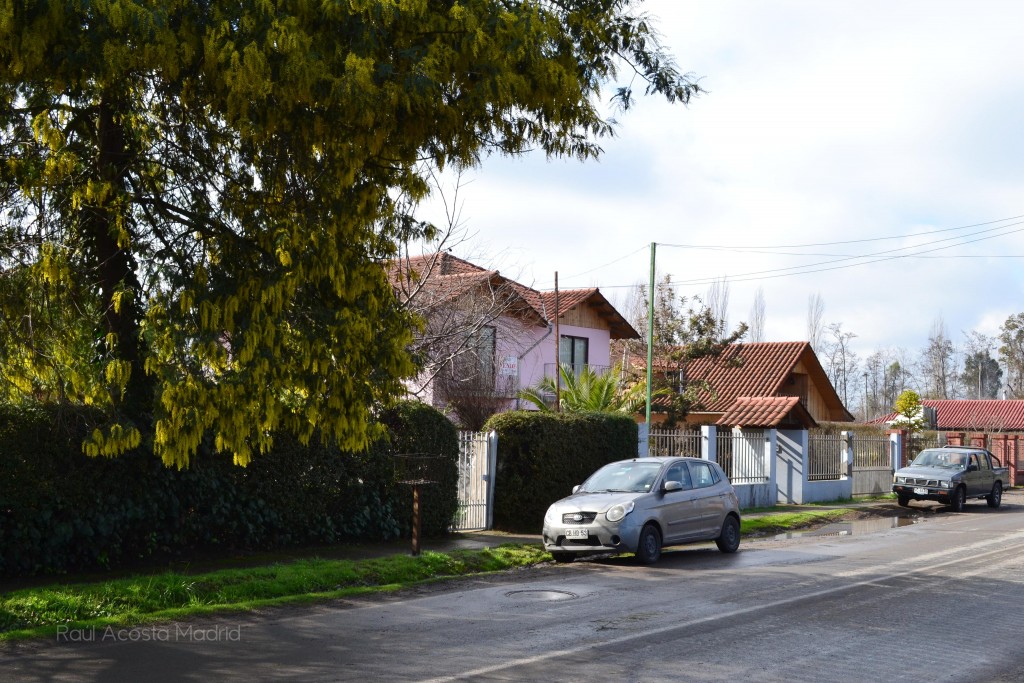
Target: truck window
(983, 463)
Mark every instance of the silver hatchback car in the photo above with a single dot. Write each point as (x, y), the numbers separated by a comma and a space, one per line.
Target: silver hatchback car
(642, 504)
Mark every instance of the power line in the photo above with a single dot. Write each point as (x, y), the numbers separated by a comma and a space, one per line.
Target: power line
(886, 255)
(828, 244)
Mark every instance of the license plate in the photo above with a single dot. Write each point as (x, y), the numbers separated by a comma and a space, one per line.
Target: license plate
(920, 491)
(577, 533)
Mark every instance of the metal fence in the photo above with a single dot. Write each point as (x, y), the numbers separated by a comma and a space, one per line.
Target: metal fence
(871, 451)
(668, 442)
(825, 456)
(473, 482)
(743, 455)
(872, 465)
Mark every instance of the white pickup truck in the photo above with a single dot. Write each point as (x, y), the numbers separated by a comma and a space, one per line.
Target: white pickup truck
(952, 474)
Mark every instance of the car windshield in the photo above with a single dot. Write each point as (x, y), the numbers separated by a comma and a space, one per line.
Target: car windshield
(941, 459)
(623, 476)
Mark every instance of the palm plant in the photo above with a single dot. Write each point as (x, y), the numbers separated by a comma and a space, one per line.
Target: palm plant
(589, 391)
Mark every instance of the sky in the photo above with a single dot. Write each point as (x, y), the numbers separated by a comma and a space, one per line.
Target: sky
(843, 150)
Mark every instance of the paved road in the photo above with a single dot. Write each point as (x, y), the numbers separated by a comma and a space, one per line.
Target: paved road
(935, 601)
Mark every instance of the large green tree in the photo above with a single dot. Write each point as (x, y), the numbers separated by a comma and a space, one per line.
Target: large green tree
(198, 196)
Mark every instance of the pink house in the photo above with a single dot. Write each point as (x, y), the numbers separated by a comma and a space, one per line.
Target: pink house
(486, 336)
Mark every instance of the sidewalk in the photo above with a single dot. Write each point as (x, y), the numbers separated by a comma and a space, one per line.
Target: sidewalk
(475, 540)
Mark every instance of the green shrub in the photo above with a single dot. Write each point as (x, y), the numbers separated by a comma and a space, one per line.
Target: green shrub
(416, 428)
(541, 456)
(62, 511)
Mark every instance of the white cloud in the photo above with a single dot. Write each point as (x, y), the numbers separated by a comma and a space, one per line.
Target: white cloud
(825, 122)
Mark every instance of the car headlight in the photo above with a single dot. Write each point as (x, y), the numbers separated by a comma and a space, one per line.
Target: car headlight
(617, 512)
(550, 518)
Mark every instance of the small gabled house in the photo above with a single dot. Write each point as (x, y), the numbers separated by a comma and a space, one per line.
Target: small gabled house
(486, 337)
(764, 384)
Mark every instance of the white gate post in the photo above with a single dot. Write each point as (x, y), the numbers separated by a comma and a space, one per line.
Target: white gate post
(895, 449)
(643, 432)
(492, 470)
(772, 448)
(709, 442)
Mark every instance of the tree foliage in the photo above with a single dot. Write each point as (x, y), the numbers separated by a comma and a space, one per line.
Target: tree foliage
(909, 412)
(198, 197)
(684, 330)
(981, 376)
(1011, 334)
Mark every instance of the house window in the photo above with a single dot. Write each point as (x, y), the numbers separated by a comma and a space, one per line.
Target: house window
(483, 347)
(573, 351)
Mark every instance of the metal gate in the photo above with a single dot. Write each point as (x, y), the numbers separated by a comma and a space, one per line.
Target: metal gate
(872, 465)
(478, 453)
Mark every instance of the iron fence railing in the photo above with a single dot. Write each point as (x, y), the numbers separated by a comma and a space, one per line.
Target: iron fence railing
(669, 442)
(743, 454)
(473, 482)
(871, 451)
(825, 456)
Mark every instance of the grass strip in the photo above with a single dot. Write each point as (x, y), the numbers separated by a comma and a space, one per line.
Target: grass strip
(788, 521)
(39, 611)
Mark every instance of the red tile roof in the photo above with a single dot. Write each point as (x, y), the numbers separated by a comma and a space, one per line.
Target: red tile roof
(766, 411)
(985, 414)
(761, 369)
(450, 276)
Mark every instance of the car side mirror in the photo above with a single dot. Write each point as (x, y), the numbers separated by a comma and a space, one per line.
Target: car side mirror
(672, 486)
(972, 468)
(576, 488)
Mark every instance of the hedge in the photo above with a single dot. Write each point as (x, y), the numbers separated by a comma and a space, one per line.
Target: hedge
(62, 511)
(542, 455)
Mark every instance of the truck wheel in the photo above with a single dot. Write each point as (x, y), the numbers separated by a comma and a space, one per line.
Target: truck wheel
(958, 500)
(904, 501)
(995, 498)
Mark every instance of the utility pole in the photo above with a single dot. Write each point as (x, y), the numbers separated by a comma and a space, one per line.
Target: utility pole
(865, 397)
(558, 357)
(650, 338)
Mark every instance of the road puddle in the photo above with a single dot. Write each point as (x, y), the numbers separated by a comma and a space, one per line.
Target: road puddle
(857, 527)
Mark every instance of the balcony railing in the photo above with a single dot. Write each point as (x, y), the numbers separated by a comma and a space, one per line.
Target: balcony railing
(577, 369)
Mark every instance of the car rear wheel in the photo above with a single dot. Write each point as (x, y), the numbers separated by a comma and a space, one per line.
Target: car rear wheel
(995, 498)
(648, 550)
(958, 499)
(729, 540)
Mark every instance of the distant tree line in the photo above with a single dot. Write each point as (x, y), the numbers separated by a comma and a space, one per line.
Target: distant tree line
(976, 366)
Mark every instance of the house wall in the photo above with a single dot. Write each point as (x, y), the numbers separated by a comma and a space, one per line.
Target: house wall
(540, 353)
(815, 402)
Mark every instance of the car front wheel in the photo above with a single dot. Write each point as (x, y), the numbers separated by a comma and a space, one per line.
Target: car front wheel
(648, 550)
(904, 501)
(958, 500)
(729, 540)
(561, 556)
(995, 498)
